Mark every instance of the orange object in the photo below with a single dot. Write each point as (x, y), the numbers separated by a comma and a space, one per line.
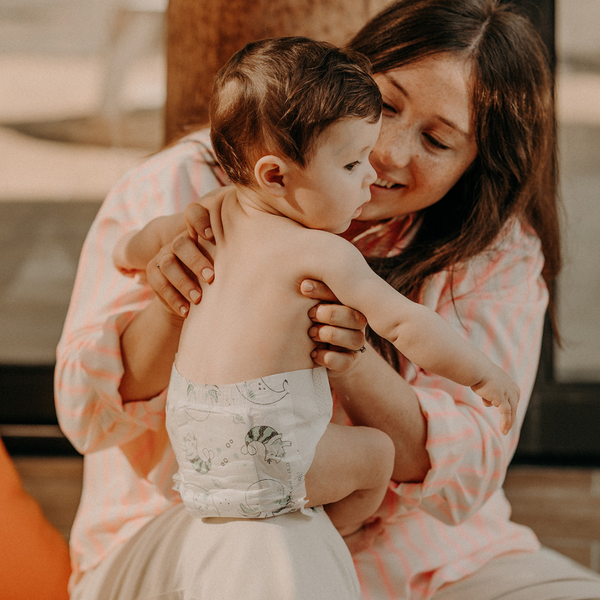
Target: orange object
(34, 557)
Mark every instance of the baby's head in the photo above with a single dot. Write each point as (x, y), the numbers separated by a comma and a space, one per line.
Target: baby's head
(276, 96)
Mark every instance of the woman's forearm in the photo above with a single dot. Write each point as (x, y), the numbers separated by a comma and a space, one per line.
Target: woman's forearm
(148, 348)
(375, 395)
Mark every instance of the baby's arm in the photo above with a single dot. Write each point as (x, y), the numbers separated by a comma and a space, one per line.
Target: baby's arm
(418, 332)
(136, 248)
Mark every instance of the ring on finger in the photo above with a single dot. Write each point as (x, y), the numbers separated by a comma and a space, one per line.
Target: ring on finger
(361, 350)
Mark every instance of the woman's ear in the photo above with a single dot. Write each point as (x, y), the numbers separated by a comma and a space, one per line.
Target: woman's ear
(271, 174)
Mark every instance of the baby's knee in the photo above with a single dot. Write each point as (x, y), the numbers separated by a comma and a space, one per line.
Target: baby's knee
(379, 452)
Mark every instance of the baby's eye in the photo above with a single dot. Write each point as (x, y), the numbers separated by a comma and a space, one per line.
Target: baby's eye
(350, 167)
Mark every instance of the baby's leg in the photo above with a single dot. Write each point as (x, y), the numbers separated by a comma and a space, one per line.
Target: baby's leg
(350, 474)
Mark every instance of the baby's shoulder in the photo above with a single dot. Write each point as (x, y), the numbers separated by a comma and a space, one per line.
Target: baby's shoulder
(315, 241)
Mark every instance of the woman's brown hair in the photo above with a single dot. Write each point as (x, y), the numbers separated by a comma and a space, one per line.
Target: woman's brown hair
(514, 174)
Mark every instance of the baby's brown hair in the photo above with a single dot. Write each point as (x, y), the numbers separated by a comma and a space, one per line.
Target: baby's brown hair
(276, 96)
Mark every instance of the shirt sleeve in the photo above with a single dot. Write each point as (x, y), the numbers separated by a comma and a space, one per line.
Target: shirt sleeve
(89, 365)
(498, 302)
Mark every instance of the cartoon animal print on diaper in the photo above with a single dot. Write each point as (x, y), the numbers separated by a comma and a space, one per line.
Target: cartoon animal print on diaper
(201, 499)
(208, 398)
(190, 446)
(257, 392)
(256, 491)
(267, 438)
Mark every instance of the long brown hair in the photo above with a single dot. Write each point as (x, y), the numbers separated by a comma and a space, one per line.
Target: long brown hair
(514, 174)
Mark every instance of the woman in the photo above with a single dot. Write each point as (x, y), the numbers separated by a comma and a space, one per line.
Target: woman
(463, 219)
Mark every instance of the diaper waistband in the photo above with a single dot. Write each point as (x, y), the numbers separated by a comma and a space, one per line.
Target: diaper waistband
(261, 391)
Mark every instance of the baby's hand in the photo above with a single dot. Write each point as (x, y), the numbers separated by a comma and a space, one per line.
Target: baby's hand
(499, 390)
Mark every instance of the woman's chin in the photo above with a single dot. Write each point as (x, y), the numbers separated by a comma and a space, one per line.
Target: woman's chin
(385, 204)
(375, 213)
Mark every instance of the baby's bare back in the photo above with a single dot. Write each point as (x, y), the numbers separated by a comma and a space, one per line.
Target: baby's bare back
(252, 320)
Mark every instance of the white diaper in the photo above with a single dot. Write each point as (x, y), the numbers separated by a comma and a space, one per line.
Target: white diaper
(243, 449)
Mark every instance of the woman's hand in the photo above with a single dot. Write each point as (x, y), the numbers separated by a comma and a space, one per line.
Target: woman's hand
(174, 272)
(338, 330)
(370, 390)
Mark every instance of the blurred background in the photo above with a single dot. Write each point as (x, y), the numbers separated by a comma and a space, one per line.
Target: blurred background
(82, 95)
(81, 101)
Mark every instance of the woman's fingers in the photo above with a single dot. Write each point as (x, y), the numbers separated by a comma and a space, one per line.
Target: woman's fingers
(191, 256)
(346, 339)
(338, 331)
(172, 283)
(335, 359)
(197, 214)
(198, 221)
(166, 293)
(338, 315)
(317, 290)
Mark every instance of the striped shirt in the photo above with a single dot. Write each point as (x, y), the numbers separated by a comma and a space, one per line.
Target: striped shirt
(436, 531)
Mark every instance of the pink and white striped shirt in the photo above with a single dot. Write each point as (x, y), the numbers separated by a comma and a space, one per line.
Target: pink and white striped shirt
(436, 531)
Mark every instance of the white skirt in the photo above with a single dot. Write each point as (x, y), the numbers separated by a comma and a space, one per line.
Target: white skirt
(178, 557)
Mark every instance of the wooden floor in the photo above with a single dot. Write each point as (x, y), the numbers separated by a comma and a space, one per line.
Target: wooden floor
(562, 505)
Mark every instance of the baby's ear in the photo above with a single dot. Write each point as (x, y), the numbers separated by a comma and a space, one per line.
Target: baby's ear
(271, 174)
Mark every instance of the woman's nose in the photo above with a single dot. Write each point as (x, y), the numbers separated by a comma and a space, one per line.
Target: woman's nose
(393, 149)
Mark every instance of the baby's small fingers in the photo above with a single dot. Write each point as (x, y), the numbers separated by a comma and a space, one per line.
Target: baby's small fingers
(506, 423)
(514, 401)
(508, 417)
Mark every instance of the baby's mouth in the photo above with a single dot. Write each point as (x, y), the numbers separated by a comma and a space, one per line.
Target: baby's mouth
(383, 183)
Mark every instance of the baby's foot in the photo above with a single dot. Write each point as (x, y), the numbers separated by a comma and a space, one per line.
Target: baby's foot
(363, 537)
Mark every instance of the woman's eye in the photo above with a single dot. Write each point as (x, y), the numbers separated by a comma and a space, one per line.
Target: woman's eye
(436, 143)
(350, 166)
(388, 108)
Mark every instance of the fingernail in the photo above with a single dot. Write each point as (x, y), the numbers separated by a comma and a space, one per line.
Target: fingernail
(307, 286)
(195, 296)
(183, 310)
(207, 274)
(313, 331)
(208, 232)
(312, 312)
(313, 354)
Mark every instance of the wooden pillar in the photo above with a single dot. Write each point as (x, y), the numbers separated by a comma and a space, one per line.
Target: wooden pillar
(203, 34)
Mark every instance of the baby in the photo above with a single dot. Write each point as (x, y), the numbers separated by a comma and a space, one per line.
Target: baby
(293, 122)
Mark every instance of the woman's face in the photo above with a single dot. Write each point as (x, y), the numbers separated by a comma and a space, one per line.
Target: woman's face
(426, 141)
